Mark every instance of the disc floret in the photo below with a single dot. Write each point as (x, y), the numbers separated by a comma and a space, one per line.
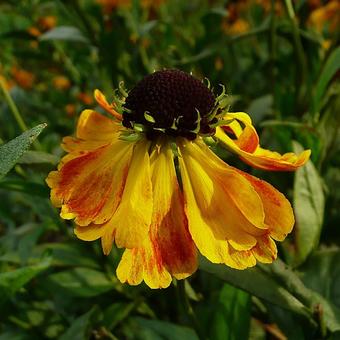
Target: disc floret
(171, 102)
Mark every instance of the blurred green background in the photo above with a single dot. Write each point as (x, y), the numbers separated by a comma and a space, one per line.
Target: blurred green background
(279, 61)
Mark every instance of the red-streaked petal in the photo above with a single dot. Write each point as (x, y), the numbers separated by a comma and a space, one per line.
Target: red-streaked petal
(279, 216)
(169, 250)
(89, 187)
(265, 250)
(239, 259)
(130, 224)
(246, 145)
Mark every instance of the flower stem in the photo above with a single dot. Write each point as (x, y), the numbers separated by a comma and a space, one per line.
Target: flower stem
(187, 308)
(298, 46)
(15, 112)
(13, 108)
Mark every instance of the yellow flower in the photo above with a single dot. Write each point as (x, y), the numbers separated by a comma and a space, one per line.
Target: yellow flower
(7, 83)
(23, 78)
(326, 16)
(70, 110)
(85, 98)
(109, 5)
(143, 178)
(61, 83)
(33, 31)
(47, 22)
(239, 26)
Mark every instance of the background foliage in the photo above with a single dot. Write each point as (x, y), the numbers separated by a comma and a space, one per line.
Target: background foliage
(280, 62)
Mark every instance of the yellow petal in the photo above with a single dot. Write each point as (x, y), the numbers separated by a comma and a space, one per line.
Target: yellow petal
(78, 146)
(279, 216)
(96, 127)
(168, 250)
(101, 100)
(88, 188)
(89, 233)
(240, 259)
(220, 205)
(130, 223)
(265, 250)
(246, 145)
(130, 267)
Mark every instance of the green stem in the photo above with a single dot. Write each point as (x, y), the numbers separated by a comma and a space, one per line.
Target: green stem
(63, 58)
(145, 59)
(187, 308)
(13, 108)
(249, 34)
(298, 46)
(15, 112)
(85, 22)
(272, 48)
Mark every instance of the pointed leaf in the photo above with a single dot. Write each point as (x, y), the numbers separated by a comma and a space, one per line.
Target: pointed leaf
(232, 315)
(12, 281)
(69, 33)
(331, 67)
(79, 328)
(11, 152)
(309, 203)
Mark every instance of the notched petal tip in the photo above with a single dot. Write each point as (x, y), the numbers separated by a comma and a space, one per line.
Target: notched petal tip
(103, 103)
(89, 233)
(240, 137)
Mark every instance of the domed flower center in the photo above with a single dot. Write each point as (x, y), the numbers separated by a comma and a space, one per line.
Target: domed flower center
(171, 102)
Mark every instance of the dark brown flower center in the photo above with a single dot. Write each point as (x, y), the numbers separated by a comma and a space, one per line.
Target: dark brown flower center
(171, 102)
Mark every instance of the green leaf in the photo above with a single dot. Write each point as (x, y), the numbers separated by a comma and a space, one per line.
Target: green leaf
(116, 313)
(232, 314)
(11, 282)
(260, 107)
(33, 189)
(11, 152)
(327, 314)
(167, 330)
(80, 327)
(69, 254)
(68, 33)
(330, 68)
(322, 273)
(309, 203)
(82, 282)
(37, 157)
(257, 282)
(280, 286)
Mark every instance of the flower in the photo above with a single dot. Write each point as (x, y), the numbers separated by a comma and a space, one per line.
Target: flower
(47, 22)
(143, 177)
(109, 5)
(85, 98)
(23, 78)
(325, 17)
(70, 110)
(61, 83)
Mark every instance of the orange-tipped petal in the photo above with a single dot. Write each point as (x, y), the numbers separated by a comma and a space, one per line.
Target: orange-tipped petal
(245, 143)
(279, 216)
(240, 259)
(88, 187)
(103, 103)
(93, 126)
(265, 250)
(168, 250)
(224, 211)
